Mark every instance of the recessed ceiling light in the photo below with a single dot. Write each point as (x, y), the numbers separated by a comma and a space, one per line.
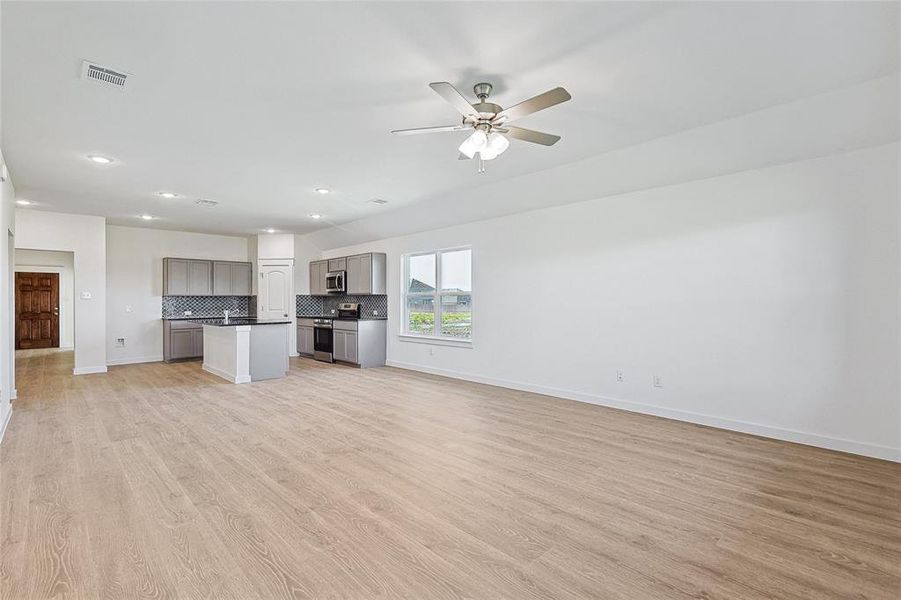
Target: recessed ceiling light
(168, 194)
(379, 201)
(23, 202)
(323, 190)
(315, 216)
(270, 230)
(147, 217)
(102, 160)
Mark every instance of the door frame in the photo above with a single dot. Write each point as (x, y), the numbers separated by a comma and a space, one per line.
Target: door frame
(54, 331)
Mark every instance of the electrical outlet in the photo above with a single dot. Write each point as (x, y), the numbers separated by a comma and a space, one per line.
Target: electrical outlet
(120, 342)
(188, 313)
(658, 381)
(619, 376)
(375, 313)
(431, 351)
(129, 308)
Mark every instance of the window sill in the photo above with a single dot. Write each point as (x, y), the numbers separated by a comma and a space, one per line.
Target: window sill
(431, 339)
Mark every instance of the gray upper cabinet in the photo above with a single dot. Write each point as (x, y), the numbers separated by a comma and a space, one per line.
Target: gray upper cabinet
(185, 277)
(222, 278)
(366, 273)
(242, 279)
(175, 277)
(231, 278)
(200, 278)
(190, 277)
(318, 272)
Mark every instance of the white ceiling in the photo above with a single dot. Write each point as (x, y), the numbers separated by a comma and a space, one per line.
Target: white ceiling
(256, 104)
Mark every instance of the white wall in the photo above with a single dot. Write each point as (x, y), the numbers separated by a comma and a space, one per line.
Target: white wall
(768, 301)
(86, 237)
(275, 245)
(135, 280)
(304, 253)
(63, 263)
(7, 343)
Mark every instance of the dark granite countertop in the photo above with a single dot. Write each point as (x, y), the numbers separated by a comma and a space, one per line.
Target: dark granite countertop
(337, 318)
(195, 317)
(238, 321)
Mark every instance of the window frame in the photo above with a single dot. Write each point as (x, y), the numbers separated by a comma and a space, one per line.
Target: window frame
(436, 296)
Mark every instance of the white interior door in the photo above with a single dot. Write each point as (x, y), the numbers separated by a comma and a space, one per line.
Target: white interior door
(276, 295)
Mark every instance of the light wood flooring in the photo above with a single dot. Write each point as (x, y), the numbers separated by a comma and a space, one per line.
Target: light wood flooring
(162, 481)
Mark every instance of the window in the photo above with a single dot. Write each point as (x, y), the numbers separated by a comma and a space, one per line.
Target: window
(438, 294)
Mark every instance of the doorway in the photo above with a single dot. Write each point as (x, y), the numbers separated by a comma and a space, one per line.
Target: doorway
(37, 310)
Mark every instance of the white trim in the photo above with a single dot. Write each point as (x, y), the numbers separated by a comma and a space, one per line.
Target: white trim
(14, 394)
(134, 361)
(225, 375)
(88, 370)
(778, 433)
(438, 341)
(9, 416)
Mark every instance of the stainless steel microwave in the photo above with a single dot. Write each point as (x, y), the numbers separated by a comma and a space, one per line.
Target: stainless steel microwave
(334, 282)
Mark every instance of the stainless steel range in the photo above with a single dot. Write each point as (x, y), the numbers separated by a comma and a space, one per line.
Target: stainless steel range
(323, 340)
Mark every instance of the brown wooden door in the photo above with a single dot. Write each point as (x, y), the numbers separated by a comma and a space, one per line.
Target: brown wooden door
(37, 310)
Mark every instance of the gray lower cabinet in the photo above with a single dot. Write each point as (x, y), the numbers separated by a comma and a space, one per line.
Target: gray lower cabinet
(344, 346)
(362, 343)
(305, 337)
(231, 278)
(182, 339)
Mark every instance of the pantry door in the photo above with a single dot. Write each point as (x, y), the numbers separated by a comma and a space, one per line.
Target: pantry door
(276, 296)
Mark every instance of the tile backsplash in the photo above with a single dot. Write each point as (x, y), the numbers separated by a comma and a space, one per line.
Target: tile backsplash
(323, 305)
(201, 306)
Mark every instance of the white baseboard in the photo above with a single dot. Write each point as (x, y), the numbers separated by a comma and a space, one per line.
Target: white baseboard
(9, 415)
(88, 370)
(226, 376)
(134, 360)
(788, 435)
(14, 394)
(67, 347)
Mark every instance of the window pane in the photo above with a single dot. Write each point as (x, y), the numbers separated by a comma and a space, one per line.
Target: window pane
(456, 315)
(421, 273)
(456, 271)
(421, 315)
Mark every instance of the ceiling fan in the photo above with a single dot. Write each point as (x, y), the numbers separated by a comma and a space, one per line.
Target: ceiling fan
(490, 122)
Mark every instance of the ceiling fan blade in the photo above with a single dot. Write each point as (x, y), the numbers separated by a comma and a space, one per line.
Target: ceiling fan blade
(528, 135)
(534, 104)
(454, 98)
(429, 129)
(463, 157)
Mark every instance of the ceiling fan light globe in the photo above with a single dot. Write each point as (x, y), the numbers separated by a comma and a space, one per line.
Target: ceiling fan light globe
(497, 143)
(468, 148)
(478, 138)
(487, 153)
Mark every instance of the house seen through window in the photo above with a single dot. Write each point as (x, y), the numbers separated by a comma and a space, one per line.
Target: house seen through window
(438, 294)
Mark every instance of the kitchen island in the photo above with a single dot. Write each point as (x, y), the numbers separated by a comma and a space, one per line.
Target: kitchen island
(243, 349)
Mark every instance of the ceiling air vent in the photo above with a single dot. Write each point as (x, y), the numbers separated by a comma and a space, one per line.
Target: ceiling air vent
(378, 201)
(104, 75)
(204, 203)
